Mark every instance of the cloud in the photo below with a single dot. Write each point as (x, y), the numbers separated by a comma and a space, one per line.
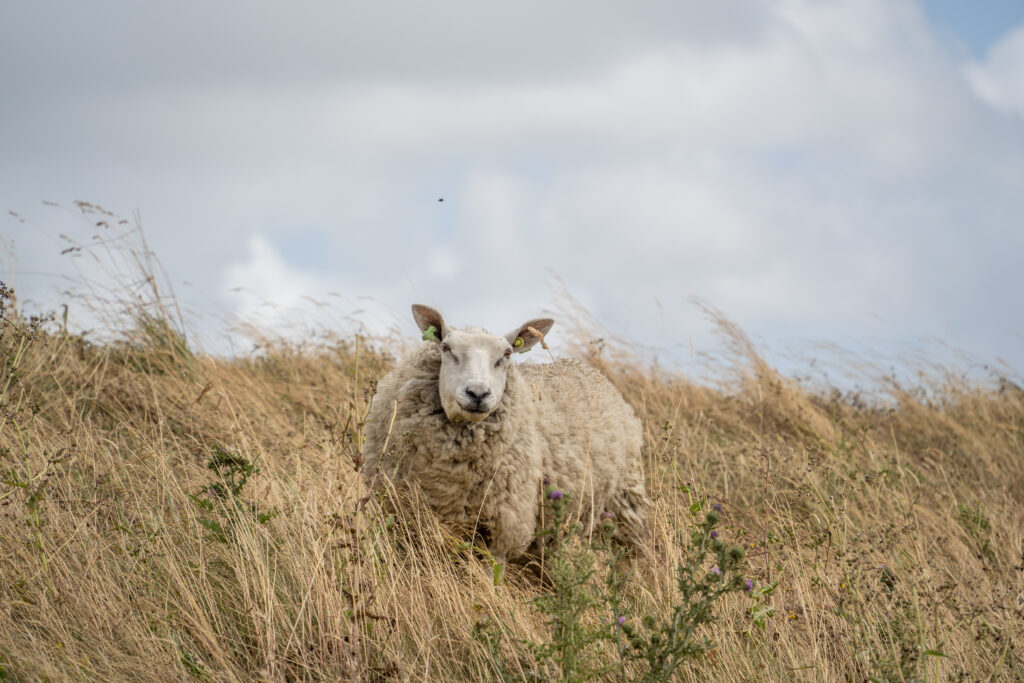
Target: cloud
(813, 169)
(442, 263)
(268, 283)
(999, 80)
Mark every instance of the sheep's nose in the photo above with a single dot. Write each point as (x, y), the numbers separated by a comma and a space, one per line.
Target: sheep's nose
(477, 394)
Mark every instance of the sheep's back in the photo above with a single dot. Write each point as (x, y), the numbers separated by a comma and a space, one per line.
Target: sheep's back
(590, 436)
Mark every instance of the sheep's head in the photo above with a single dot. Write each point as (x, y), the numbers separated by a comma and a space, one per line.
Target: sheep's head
(474, 363)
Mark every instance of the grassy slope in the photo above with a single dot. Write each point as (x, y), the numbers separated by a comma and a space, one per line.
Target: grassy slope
(108, 571)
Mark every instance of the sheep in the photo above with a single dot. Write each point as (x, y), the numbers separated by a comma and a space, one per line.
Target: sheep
(481, 436)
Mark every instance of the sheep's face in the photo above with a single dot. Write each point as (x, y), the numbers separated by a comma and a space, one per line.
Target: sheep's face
(474, 363)
(474, 367)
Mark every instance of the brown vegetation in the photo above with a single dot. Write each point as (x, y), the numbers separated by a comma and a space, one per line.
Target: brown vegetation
(894, 531)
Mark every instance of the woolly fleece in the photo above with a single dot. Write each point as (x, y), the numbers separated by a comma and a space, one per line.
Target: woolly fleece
(562, 421)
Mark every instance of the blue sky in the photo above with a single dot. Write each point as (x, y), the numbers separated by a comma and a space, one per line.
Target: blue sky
(842, 171)
(977, 24)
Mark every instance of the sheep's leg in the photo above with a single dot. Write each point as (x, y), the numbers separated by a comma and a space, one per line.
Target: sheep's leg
(629, 509)
(513, 528)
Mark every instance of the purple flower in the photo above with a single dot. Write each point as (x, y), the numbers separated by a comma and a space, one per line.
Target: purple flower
(716, 571)
(714, 534)
(607, 515)
(620, 621)
(717, 507)
(547, 481)
(556, 495)
(749, 586)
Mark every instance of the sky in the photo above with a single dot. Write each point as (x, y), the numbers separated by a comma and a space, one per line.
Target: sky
(823, 172)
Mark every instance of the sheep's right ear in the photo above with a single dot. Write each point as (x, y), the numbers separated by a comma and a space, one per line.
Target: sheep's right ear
(430, 322)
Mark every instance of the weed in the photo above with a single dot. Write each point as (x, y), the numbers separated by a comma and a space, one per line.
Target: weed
(709, 571)
(841, 500)
(760, 609)
(977, 525)
(572, 652)
(488, 632)
(221, 501)
(584, 621)
(155, 347)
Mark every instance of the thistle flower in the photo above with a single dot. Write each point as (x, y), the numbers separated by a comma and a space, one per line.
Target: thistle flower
(714, 534)
(556, 495)
(717, 507)
(716, 571)
(749, 586)
(620, 621)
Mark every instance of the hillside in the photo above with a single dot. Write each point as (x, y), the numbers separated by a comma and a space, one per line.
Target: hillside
(167, 515)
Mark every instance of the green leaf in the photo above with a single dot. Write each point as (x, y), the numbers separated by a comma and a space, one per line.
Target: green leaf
(498, 569)
(428, 334)
(761, 615)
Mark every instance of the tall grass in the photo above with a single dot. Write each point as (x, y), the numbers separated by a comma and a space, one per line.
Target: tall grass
(167, 515)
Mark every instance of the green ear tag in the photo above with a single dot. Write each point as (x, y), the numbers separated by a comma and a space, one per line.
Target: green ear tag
(518, 342)
(428, 334)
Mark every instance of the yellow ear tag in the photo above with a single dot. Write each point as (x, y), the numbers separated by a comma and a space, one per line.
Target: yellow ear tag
(428, 334)
(518, 342)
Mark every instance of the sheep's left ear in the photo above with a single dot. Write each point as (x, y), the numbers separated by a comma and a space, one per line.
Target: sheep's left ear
(527, 335)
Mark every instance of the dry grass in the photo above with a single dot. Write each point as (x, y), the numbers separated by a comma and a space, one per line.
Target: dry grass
(894, 532)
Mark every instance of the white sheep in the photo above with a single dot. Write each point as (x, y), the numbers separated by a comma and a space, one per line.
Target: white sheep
(481, 435)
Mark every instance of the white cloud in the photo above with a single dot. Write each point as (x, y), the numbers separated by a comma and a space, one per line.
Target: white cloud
(999, 80)
(268, 286)
(442, 263)
(266, 291)
(802, 167)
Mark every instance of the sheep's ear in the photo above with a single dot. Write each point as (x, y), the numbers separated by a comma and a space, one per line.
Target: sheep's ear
(430, 322)
(525, 336)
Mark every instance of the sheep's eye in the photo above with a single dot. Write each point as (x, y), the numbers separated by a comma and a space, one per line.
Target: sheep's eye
(508, 353)
(446, 348)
